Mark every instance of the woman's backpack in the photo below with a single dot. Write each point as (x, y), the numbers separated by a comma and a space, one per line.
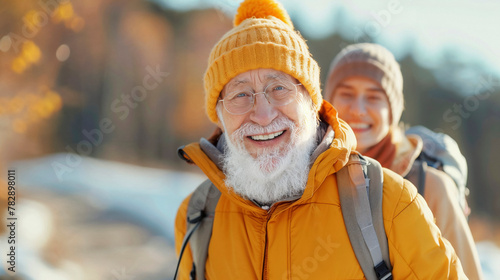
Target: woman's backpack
(441, 152)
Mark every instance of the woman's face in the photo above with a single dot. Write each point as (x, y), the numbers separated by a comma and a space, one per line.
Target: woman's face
(363, 104)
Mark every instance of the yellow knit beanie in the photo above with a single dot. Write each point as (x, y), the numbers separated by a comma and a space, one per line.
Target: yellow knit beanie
(262, 37)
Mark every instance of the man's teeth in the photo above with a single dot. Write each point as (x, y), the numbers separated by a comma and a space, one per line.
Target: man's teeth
(359, 125)
(267, 137)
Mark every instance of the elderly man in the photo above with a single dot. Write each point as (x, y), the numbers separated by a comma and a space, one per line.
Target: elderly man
(272, 169)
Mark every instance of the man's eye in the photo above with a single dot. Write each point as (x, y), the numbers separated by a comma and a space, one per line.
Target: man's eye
(243, 94)
(279, 88)
(240, 95)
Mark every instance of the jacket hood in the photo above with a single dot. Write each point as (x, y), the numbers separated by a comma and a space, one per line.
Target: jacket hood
(331, 155)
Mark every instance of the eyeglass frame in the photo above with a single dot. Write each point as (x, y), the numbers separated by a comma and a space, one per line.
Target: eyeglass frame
(265, 95)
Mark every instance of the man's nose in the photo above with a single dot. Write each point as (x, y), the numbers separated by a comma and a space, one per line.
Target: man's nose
(263, 112)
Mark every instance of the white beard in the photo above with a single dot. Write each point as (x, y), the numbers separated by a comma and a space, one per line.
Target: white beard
(275, 174)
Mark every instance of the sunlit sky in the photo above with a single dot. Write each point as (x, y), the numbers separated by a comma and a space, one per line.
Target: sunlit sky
(428, 27)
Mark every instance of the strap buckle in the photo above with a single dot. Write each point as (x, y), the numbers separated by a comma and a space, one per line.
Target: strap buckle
(382, 271)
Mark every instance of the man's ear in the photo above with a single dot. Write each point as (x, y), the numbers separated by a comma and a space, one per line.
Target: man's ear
(219, 117)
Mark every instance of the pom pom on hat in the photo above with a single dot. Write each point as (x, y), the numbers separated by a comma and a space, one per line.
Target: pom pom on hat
(261, 9)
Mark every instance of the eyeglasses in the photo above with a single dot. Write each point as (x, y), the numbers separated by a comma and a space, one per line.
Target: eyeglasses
(278, 93)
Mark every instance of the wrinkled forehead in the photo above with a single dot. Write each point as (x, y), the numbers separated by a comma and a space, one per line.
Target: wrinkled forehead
(254, 78)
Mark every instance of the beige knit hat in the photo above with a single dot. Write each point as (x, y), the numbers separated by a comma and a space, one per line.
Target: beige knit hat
(263, 37)
(372, 61)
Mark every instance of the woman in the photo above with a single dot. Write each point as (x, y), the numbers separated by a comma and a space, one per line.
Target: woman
(365, 85)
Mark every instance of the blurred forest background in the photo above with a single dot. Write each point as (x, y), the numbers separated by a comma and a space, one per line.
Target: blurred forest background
(121, 81)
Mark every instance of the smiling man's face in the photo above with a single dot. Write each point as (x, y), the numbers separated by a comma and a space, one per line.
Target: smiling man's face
(268, 147)
(266, 127)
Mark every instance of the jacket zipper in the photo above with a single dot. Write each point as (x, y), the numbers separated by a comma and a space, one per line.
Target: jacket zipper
(264, 265)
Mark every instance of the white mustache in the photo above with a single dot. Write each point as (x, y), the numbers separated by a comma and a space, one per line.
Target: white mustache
(278, 124)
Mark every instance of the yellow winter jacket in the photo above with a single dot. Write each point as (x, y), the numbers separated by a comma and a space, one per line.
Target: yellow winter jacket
(306, 238)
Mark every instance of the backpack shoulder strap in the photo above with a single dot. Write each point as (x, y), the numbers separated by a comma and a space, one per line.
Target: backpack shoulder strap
(360, 207)
(376, 193)
(417, 175)
(200, 218)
